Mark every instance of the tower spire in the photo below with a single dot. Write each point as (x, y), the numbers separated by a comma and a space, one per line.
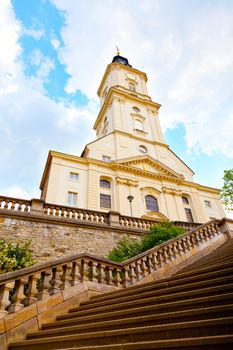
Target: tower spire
(118, 51)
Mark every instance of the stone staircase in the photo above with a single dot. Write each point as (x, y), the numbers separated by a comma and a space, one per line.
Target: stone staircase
(190, 310)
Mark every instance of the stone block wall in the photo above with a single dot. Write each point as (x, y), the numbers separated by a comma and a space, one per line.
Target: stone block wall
(53, 239)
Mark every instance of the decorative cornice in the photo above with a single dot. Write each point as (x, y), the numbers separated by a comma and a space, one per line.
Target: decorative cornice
(122, 94)
(126, 181)
(138, 171)
(172, 191)
(115, 66)
(149, 160)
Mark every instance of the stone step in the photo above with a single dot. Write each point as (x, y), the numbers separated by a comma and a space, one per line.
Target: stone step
(170, 307)
(153, 292)
(179, 330)
(130, 322)
(215, 290)
(184, 278)
(222, 342)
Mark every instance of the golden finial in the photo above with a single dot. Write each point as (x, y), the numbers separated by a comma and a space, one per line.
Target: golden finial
(118, 51)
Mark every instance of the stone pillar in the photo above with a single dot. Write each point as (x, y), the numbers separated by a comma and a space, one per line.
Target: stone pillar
(37, 207)
(227, 227)
(114, 218)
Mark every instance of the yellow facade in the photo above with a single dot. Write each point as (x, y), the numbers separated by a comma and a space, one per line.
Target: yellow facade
(128, 158)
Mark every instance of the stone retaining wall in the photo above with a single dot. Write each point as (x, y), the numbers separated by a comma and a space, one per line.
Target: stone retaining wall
(51, 238)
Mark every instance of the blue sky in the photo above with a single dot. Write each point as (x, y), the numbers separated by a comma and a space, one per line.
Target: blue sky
(54, 53)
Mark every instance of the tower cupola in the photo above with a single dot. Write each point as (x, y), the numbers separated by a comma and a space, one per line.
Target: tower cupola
(122, 60)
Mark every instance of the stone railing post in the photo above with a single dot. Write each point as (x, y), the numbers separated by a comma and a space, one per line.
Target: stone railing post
(114, 218)
(37, 206)
(227, 227)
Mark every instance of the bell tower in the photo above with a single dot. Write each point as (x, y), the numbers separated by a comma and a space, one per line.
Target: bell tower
(125, 104)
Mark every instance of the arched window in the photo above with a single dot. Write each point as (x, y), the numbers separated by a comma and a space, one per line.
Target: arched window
(132, 87)
(136, 109)
(151, 203)
(138, 124)
(105, 183)
(185, 200)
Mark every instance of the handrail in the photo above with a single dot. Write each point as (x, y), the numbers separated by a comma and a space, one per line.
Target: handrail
(40, 281)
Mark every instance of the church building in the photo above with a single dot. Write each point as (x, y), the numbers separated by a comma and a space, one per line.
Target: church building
(129, 168)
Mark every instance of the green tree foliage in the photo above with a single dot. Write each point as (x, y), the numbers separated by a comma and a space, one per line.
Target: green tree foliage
(159, 233)
(227, 190)
(15, 256)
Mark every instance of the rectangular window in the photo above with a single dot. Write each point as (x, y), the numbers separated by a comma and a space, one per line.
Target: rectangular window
(105, 200)
(208, 204)
(189, 215)
(72, 199)
(106, 158)
(74, 176)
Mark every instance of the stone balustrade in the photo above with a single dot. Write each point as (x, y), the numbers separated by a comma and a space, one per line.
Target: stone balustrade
(15, 206)
(21, 288)
(75, 214)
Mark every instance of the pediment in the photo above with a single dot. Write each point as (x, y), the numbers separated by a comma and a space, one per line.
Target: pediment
(149, 164)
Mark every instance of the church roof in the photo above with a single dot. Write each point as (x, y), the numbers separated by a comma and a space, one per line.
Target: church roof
(122, 60)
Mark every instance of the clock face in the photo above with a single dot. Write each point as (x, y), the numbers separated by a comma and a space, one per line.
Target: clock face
(142, 149)
(131, 76)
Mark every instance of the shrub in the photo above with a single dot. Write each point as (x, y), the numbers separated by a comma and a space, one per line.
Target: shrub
(15, 256)
(159, 233)
(125, 249)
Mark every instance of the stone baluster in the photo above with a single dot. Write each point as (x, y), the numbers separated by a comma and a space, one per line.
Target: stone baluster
(86, 270)
(18, 295)
(139, 272)
(159, 258)
(76, 272)
(15, 205)
(144, 268)
(186, 243)
(31, 290)
(96, 217)
(44, 285)
(133, 275)
(153, 261)
(190, 241)
(95, 272)
(140, 224)
(205, 234)
(111, 280)
(55, 281)
(66, 276)
(102, 273)
(126, 277)
(182, 245)
(148, 264)
(118, 273)
(4, 297)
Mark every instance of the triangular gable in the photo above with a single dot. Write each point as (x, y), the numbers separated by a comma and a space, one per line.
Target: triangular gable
(147, 163)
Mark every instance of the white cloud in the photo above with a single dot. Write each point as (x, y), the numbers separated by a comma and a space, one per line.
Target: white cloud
(187, 54)
(37, 34)
(44, 64)
(30, 122)
(10, 30)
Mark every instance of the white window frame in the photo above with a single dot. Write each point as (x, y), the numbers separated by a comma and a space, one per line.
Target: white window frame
(72, 199)
(74, 176)
(106, 158)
